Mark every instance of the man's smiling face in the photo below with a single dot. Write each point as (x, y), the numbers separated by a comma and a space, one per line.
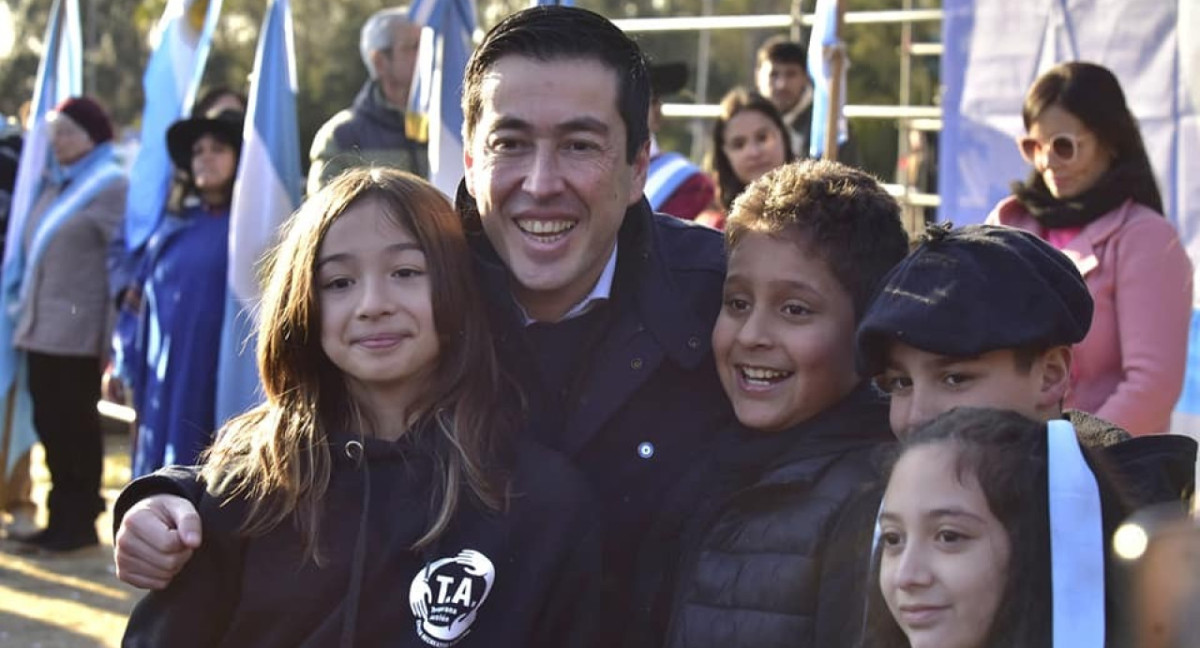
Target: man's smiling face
(547, 167)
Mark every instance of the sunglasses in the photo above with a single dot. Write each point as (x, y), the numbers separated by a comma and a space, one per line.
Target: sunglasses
(1064, 146)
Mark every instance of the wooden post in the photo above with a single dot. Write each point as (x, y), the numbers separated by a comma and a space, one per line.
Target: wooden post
(6, 439)
(835, 88)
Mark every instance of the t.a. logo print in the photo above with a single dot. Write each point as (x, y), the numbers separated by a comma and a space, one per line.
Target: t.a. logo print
(446, 595)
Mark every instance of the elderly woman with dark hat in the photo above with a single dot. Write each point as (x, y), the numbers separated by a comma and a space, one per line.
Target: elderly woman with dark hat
(179, 293)
(57, 303)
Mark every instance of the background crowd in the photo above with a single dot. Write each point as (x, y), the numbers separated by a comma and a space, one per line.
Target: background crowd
(736, 440)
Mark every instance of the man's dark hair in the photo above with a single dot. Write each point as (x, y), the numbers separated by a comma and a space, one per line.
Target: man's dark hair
(844, 214)
(778, 49)
(554, 32)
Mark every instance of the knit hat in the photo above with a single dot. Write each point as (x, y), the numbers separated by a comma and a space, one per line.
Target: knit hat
(966, 291)
(90, 117)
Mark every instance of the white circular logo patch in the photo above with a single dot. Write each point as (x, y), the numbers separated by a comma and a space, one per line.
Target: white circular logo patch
(446, 595)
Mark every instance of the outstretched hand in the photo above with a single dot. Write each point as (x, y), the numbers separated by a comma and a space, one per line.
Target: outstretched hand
(156, 539)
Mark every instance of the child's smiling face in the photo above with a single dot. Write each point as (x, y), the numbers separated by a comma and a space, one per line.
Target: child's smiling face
(944, 562)
(784, 341)
(923, 385)
(373, 289)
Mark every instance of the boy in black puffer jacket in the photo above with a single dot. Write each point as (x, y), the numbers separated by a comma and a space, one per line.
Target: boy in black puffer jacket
(807, 243)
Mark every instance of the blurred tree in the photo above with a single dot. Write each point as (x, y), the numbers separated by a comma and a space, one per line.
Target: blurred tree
(17, 72)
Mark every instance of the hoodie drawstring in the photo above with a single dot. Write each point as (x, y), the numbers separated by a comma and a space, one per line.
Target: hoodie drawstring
(354, 450)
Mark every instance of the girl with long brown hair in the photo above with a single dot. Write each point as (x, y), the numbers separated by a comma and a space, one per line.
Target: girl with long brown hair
(385, 464)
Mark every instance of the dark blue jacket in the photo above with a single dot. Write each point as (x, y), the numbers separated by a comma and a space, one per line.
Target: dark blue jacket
(645, 398)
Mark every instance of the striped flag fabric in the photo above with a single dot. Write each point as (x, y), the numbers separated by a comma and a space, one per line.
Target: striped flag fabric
(59, 76)
(824, 34)
(446, 45)
(180, 45)
(266, 192)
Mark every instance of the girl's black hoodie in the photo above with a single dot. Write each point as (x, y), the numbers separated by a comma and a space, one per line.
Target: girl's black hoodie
(525, 577)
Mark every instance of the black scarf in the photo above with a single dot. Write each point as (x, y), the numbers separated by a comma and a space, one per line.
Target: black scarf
(1120, 183)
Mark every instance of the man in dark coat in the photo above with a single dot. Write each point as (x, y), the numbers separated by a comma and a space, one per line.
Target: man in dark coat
(372, 130)
(600, 308)
(782, 77)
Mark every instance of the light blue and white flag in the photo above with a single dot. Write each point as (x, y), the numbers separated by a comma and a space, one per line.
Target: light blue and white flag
(180, 44)
(59, 76)
(565, 3)
(266, 192)
(437, 84)
(824, 34)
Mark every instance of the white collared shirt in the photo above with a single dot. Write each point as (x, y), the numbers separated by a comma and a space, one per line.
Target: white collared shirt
(600, 292)
(790, 116)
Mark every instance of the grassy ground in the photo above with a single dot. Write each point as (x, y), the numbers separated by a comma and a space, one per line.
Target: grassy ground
(72, 600)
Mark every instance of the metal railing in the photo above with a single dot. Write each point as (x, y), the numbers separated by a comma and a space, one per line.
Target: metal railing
(767, 21)
(922, 118)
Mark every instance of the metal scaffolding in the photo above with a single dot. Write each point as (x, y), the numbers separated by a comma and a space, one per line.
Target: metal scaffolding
(908, 117)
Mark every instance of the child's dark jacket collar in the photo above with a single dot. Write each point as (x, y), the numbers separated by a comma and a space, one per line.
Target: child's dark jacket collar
(859, 418)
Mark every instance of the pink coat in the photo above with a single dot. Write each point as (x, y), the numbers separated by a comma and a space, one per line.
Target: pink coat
(1129, 369)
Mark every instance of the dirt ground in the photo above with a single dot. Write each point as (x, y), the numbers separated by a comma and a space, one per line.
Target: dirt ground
(72, 600)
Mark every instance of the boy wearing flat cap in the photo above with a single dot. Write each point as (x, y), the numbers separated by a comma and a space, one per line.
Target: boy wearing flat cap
(985, 316)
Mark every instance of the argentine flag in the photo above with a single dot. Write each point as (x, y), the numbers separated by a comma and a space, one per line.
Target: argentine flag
(266, 192)
(180, 44)
(59, 76)
(437, 84)
(824, 34)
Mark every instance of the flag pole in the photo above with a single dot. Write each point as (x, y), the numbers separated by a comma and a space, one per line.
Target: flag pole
(6, 439)
(836, 66)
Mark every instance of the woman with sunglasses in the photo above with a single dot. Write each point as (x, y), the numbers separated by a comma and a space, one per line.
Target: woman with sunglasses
(1092, 194)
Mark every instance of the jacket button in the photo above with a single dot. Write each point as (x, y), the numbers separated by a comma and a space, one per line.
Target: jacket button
(693, 343)
(635, 364)
(645, 450)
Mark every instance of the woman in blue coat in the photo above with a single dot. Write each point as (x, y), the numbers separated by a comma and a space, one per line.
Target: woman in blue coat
(180, 294)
